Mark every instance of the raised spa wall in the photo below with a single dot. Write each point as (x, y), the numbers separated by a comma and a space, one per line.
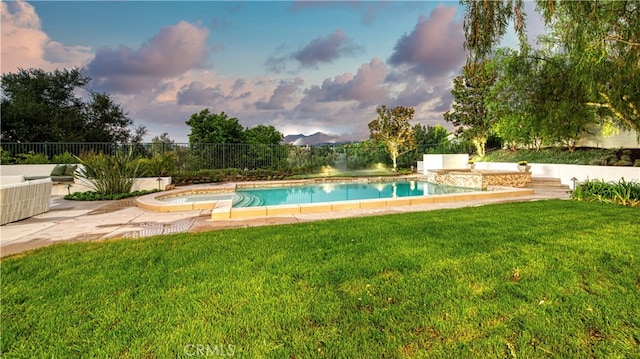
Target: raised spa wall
(478, 178)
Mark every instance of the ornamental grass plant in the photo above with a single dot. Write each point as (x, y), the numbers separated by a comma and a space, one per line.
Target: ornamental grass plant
(626, 193)
(110, 174)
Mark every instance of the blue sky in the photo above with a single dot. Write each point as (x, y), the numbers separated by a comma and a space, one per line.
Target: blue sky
(300, 66)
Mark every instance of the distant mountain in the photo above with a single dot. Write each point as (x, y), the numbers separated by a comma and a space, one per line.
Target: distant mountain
(315, 139)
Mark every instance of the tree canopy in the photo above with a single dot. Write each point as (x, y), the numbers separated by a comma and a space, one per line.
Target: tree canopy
(600, 40)
(538, 100)
(207, 127)
(470, 113)
(393, 128)
(40, 106)
(261, 134)
(429, 138)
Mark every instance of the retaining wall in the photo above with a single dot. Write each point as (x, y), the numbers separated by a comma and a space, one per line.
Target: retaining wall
(564, 172)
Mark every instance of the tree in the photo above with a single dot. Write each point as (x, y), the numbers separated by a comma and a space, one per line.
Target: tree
(262, 134)
(601, 40)
(106, 121)
(485, 24)
(161, 144)
(207, 127)
(470, 113)
(392, 127)
(538, 100)
(264, 149)
(39, 106)
(429, 138)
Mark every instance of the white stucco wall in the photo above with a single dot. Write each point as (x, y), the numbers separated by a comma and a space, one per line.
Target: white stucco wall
(628, 139)
(566, 172)
(441, 162)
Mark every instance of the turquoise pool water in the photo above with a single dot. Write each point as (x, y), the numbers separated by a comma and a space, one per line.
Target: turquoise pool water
(334, 192)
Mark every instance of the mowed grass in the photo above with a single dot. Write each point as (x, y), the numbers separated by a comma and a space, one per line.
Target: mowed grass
(518, 280)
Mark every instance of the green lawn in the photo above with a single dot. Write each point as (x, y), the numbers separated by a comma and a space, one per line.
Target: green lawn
(518, 280)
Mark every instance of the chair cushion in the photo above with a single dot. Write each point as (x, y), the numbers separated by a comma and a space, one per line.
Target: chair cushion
(58, 170)
(70, 169)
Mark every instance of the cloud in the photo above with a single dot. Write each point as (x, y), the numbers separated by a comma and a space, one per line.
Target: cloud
(325, 49)
(364, 87)
(25, 45)
(175, 50)
(277, 63)
(281, 95)
(434, 47)
(197, 94)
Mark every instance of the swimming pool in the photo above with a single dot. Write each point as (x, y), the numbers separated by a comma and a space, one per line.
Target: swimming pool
(219, 198)
(336, 192)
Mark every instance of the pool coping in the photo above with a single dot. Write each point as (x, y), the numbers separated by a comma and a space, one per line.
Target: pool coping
(223, 210)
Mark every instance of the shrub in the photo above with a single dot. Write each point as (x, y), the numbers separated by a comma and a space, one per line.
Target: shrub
(32, 158)
(231, 174)
(65, 158)
(162, 164)
(621, 192)
(111, 174)
(96, 196)
(5, 157)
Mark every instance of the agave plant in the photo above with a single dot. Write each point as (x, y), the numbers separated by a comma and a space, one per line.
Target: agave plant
(111, 174)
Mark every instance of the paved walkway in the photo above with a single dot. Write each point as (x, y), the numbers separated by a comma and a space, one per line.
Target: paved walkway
(73, 221)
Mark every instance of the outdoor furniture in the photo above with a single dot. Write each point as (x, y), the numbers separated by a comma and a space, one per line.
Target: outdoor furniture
(59, 174)
(20, 199)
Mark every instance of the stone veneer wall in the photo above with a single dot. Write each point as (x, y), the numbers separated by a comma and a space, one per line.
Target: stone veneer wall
(478, 179)
(457, 178)
(507, 179)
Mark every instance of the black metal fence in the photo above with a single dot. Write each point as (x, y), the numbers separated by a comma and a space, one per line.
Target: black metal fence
(204, 155)
(193, 157)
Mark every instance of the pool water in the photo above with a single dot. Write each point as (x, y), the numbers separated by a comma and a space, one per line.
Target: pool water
(334, 192)
(199, 197)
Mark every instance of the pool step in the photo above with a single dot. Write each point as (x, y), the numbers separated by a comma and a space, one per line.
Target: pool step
(246, 200)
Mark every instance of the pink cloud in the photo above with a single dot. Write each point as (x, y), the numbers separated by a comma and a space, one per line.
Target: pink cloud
(25, 45)
(365, 86)
(281, 95)
(434, 47)
(175, 50)
(197, 94)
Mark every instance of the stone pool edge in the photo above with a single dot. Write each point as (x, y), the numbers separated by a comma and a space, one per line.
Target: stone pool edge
(224, 210)
(152, 202)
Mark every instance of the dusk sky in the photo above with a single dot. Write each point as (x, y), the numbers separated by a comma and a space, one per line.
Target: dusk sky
(302, 67)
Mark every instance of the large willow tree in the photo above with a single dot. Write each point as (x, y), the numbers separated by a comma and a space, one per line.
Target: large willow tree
(601, 40)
